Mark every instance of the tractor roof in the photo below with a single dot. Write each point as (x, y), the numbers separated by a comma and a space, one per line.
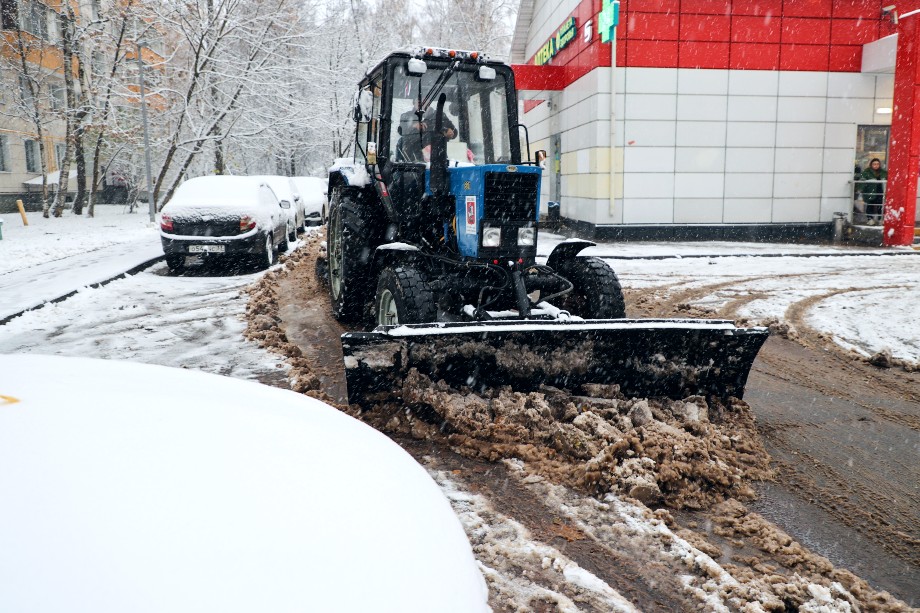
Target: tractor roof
(439, 53)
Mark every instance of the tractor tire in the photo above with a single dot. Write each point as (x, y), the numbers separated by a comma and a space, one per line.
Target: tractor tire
(403, 297)
(596, 291)
(349, 244)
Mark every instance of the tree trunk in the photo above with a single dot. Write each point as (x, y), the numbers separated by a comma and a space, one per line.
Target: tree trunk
(219, 167)
(67, 51)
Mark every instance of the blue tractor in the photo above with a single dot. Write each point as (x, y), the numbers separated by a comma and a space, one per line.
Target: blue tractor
(432, 240)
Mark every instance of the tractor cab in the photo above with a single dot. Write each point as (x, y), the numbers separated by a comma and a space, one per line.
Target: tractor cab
(441, 128)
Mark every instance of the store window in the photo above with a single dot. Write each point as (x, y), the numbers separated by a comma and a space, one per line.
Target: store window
(870, 174)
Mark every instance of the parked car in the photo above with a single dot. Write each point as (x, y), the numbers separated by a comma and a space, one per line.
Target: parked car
(314, 191)
(142, 488)
(223, 217)
(285, 189)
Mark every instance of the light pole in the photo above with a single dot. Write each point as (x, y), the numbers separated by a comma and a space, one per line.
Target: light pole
(151, 201)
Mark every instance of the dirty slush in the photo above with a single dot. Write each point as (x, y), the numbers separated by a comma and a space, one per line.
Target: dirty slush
(587, 478)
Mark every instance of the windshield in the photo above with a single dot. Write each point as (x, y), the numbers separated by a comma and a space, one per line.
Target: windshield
(475, 122)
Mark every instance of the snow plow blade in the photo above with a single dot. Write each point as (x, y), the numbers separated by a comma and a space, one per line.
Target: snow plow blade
(675, 358)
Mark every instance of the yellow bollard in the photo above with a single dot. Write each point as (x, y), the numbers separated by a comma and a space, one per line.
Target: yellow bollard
(22, 212)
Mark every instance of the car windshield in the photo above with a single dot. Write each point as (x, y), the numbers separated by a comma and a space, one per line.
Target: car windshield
(476, 116)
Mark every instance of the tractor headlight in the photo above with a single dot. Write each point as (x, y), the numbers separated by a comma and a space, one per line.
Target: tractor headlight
(527, 236)
(491, 236)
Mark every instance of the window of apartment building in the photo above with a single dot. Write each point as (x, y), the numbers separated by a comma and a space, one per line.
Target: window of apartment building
(31, 155)
(54, 26)
(4, 154)
(97, 63)
(25, 91)
(34, 18)
(9, 14)
(60, 153)
(58, 98)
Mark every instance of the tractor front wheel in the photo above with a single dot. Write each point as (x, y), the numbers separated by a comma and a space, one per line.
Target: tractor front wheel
(596, 291)
(403, 297)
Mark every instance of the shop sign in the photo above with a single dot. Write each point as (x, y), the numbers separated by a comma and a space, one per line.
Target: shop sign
(608, 19)
(557, 43)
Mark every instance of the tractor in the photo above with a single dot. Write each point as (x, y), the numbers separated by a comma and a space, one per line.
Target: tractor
(432, 241)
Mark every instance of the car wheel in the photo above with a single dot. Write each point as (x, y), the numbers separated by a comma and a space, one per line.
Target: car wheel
(596, 291)
(291, 234)
(286, 241)
(403, 297)
(175, 262)
(267, 257)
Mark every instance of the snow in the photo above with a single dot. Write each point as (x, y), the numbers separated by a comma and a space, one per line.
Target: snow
(312, 192)
(865, 299)
(216, 191)
(131, 487)
(355, 174)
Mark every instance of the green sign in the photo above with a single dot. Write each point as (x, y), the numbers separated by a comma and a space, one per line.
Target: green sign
(608, 19)
(557, 43)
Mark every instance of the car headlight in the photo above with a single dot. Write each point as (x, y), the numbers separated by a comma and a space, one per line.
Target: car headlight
(527, 237)
(491, 237)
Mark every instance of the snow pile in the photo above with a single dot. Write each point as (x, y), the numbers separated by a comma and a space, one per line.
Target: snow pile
(686, 454)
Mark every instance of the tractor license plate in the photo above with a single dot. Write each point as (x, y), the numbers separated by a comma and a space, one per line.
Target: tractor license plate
(205, 248)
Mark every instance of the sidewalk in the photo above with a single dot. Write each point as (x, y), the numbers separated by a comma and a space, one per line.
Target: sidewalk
(52, 258)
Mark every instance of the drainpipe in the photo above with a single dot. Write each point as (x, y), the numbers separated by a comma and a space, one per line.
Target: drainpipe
(613, 106)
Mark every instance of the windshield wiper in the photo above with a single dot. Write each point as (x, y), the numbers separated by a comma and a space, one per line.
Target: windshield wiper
(445, 75)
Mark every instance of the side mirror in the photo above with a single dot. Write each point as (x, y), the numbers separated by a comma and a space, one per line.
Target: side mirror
(363, 104)
(540, 156)
(285, 204)
(417, 67)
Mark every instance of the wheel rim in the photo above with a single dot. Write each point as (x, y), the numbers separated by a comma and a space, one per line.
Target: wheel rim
(387, 314)
(335, 256)
(268, 250)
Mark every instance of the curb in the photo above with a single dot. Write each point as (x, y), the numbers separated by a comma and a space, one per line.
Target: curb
(131, 271)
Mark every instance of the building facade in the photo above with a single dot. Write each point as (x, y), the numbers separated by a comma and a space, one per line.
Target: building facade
(729, 118)
(32, 90)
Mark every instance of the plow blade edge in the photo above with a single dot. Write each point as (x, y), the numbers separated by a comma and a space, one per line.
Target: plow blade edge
(675, 358)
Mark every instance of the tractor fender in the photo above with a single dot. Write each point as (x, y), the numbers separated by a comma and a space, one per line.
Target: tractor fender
(347, 172)
(390, 254)
(567, 250)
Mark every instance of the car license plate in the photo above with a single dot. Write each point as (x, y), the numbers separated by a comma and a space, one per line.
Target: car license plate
(205, 248)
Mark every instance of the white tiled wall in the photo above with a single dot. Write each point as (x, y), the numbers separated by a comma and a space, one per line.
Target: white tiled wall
(704, 146)
(743, 146)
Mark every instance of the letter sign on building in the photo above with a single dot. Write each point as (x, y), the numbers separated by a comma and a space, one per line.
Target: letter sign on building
(557, 43)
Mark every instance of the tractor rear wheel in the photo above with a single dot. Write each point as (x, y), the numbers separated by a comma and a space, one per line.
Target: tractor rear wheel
(349, 245)
(596, 291)
(403, 297)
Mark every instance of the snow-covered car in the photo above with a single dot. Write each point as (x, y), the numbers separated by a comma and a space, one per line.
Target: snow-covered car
(285, 189)
(224, 216)
(314, 191)
(134, 487)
